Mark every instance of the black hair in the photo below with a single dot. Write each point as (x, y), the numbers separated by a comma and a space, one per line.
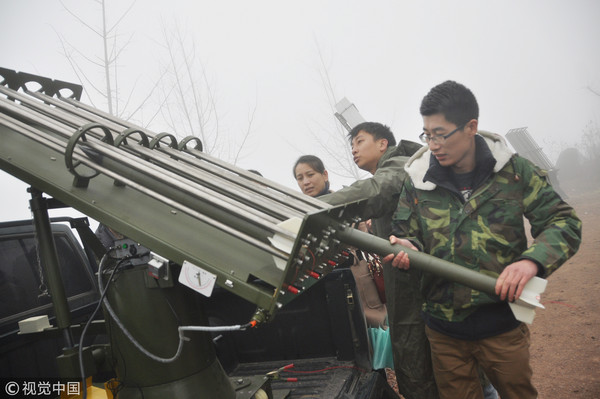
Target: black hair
(376, 129)
(453, 100)
(312, 161)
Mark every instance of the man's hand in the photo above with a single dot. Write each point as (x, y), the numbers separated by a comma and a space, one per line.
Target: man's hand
(401, 260)
(369, 224)
(513, 278)
(364, 226)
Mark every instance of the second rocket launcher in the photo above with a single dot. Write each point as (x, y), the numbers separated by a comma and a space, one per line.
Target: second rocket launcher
(523, 308)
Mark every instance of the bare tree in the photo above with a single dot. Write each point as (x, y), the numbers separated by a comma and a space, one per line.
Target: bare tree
(246, 135)
(188, 94)
(112, 47)
(591, 141)
(335, 144)
(591, 136)
(182, 96)
(189, 103)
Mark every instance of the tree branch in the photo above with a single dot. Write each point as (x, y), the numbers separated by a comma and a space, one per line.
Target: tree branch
(594, 91)
(246, 135)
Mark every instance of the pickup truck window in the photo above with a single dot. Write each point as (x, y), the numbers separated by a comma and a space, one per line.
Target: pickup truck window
(21, 288)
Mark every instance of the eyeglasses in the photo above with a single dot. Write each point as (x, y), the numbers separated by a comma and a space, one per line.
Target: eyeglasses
(438, 139)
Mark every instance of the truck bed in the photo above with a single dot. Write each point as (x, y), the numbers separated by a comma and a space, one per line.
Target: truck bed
(320, 378)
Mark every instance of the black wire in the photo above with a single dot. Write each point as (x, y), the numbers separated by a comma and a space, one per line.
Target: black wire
(115, 351)
(89, 322)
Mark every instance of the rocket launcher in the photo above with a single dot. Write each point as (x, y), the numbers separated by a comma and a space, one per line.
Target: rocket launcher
(223, 225)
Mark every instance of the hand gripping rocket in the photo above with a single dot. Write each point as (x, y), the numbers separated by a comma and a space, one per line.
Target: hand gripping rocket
(523, 308)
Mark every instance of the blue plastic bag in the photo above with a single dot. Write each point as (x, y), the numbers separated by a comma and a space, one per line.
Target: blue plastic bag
(382, 348)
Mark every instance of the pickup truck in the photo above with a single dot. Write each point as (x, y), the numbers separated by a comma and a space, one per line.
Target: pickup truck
(24, 294)
(322, 333)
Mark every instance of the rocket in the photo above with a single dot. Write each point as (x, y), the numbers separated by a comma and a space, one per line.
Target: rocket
(523, 308)
(334, 234)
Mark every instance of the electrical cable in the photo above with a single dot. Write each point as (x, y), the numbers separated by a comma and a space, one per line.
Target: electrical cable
(89, 322)
(104, 301)
(126, 332)
(181, 330)
(236, 327)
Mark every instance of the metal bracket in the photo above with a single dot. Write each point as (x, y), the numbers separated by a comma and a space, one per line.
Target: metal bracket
(82, 180)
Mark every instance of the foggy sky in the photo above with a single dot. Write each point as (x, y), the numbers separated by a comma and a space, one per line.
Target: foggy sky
(529, 63)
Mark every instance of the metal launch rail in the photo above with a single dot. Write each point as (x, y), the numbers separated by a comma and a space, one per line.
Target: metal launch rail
(166, 194)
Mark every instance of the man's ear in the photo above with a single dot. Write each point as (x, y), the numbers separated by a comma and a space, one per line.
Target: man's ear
(472, 125)
(383, 144)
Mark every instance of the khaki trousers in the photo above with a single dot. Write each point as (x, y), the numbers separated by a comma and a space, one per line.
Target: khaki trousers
(504, 358)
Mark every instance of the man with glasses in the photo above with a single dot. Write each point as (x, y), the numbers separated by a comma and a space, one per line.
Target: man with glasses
(464, 201)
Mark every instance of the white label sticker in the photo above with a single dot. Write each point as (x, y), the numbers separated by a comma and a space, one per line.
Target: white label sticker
(197, 278)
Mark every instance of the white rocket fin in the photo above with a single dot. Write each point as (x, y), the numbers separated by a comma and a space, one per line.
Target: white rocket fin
(285, 244)
(524, 307)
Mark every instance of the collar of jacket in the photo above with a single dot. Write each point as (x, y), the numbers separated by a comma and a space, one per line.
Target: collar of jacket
(419, 164)
(325, 190)
(405, 148)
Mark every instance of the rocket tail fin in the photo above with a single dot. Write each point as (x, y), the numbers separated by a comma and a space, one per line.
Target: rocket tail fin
(284, 243)
(524, 307)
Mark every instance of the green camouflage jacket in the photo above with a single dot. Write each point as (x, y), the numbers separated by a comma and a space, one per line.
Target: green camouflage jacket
(382, 189)
(487, 232)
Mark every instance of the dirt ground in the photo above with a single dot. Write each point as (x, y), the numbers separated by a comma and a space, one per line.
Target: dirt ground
(565, 350)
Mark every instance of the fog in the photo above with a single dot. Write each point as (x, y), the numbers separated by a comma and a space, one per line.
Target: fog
(533, 64)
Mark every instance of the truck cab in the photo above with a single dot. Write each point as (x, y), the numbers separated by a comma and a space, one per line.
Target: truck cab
(24, 294)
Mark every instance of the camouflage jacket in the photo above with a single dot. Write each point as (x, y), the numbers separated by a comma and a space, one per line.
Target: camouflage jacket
(487, 232)
(382, 189)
